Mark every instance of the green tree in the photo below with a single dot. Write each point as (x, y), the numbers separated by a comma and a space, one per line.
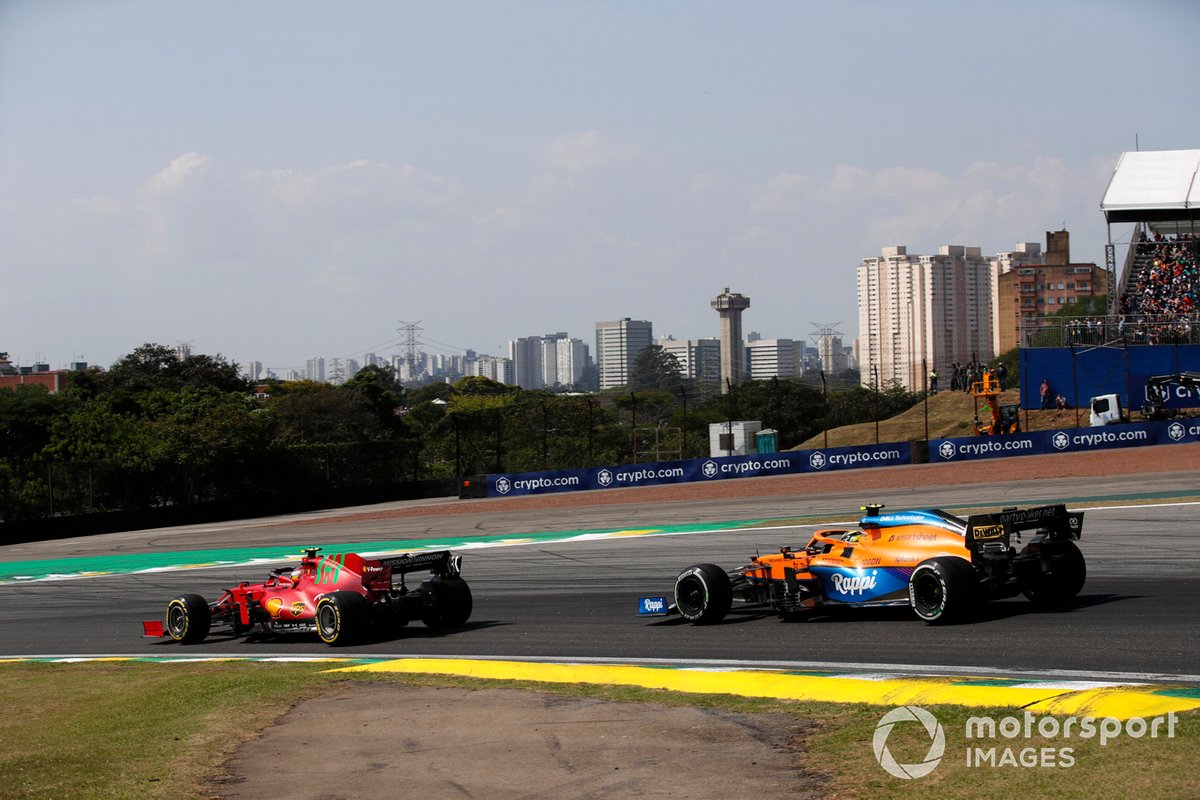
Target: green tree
(320, 413)
(383, 393)
(156, 366)
(26, 416)
(655, 368)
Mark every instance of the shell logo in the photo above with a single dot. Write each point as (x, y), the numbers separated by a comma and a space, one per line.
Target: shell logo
(274, 605)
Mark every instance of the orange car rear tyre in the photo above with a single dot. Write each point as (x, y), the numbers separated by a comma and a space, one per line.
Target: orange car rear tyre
(1066, 577)
(188, 619)
(943, 590)
(703, 593)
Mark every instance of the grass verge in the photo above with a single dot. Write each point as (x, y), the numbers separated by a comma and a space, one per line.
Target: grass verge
(144, 730)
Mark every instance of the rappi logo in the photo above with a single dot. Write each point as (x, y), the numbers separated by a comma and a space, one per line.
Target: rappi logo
(853, 584)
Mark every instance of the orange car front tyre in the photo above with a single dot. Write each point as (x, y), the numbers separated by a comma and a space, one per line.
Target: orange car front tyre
(703, 593)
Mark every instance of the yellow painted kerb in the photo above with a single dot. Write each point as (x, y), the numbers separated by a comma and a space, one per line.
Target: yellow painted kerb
(1115, 702)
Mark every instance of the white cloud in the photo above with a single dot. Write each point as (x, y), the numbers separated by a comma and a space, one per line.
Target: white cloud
(780, 192)
(176, 174)
(584, 152)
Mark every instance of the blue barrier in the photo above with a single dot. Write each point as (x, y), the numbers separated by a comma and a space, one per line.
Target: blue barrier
(792, 462)
(1067, 440)
(657, 473)
(1085, 373)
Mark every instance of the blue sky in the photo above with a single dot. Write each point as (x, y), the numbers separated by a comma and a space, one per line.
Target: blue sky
(280, 180)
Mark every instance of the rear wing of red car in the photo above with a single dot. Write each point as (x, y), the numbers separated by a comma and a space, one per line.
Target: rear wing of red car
(986, 531)
(441, 562)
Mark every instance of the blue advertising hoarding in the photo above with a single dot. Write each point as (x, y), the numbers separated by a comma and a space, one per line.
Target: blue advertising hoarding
(1067, 440)
(793, 462)
(658, 473)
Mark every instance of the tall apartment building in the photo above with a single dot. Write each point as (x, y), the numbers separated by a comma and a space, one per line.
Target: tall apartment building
(526, 356)
(571, 356)
(617, 346)
(543, 362)
(923, 312)
(699, 359)
(775, 358)
(314, 369)
(494, 367)
(1023, 255)
(831, 355)
(1039, 286)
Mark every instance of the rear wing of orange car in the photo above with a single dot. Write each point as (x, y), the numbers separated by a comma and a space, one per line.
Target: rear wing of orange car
(992, 531)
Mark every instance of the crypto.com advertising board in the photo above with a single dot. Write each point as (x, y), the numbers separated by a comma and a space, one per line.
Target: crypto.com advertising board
(699, 470)
(1066, 440)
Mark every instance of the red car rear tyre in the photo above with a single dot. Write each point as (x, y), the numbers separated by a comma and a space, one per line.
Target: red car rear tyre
(341, 617)
(449, 605)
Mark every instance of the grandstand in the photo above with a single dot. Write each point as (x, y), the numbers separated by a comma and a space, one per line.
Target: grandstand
(1152, 325)
(1156, 299)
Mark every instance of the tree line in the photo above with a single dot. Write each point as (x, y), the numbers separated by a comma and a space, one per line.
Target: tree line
(157, 429)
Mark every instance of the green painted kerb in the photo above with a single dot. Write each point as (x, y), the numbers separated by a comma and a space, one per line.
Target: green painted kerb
(125, 563)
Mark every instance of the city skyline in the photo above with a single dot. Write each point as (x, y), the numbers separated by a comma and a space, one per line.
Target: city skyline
(299, 180)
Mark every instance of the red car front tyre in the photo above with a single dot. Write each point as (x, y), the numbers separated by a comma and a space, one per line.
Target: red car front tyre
(188, 619)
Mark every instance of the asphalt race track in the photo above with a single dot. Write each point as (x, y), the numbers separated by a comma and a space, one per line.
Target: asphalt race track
(1139, 612)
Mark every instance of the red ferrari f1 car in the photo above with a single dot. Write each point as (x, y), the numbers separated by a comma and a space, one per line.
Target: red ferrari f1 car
(940, 565)
(341, 597)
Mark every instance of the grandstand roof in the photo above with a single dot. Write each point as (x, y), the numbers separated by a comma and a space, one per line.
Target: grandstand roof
(1154, 186)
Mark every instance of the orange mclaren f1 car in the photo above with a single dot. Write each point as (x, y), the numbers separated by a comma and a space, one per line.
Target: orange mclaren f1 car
(940, 565)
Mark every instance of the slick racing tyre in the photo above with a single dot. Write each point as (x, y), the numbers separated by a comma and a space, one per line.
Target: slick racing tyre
(188, 619)
(449, 604)
(1063, 581)
(703, 593)
(341, 617)
(943, 590)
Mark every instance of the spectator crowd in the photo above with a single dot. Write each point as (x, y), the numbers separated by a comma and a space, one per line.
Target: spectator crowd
(1170, 285)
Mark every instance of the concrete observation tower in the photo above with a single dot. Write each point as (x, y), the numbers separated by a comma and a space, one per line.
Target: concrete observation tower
(733, 353)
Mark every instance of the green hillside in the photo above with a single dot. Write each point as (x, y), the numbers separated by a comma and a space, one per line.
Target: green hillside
(949, 414)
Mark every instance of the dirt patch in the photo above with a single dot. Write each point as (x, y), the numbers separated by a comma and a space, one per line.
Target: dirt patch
(385, 740)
